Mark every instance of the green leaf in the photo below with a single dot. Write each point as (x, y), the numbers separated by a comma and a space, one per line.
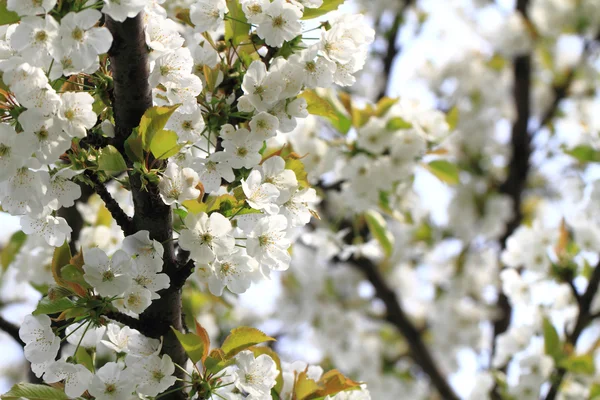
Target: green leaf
(298, 167)
(552, 345)
(154, 121)
(305, 387)
(242, 338)
(134, 148)
(584, 154)
(11, 249)
(32, 391)
(497, 62)
(397, 123)
(452, 118)
(236, 28)
(378, 228)
(84, 358)
(6, 16)
(192, 344)
(216, 361)
(327, 6)
(71, 273)
(60, 258)
(595, 392)
(111, 160)
(384, 105)
(47, 306)
(317, 105)
(164, 144)
(444, 171)
(579, 364)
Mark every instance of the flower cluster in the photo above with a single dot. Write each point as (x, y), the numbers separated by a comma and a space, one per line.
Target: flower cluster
(208, 150)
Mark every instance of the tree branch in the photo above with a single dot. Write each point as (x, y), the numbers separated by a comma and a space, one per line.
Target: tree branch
(12, 330)
(397, 317)
(125, 320)
(132, 97)
(392, 48)
(518, 168)
(122, 219)
(584, 317)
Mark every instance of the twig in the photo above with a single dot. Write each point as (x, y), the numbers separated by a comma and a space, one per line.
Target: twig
(125, 320)
(392, 47)
(518, 168)
(122, 219)
(583, 319)
(12, 330)
(397, 317)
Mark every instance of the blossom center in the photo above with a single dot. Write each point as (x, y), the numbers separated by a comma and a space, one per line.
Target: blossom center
(4, 150)
(42, 134)
(110, 388)
(70, 115)
(158, 375)
(206, 238)
(278, 22)
(108, 276)
(77, 34)
(41, 36)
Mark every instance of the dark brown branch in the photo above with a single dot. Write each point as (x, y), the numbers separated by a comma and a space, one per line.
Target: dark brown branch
(392, 48)
(584, 317)
(125, 320)
(12, 330)
(560, 92)
(132, 97)
(122, 219)
(397, 317)
(518, 168)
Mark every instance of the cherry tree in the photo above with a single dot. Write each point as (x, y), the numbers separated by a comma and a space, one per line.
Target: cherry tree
(171, 161)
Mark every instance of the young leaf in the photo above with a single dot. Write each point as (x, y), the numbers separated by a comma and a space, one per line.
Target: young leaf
(579, 364)
(334, 382)
(552, 345)
(70, 273)
(305, 387)
(47, 306)
(236, 27)
(242, 338)
(32, 391)
(192, 344)
(84, 358)
(11, 249)
(298, 167)
(584, 153)
(318, 105)
(444, 171)
(61, 257)
(203, 335)
(164, 144)
(384, 105)
(154, 121)
(452, 118)
(7, 17)
(327, 6)
(134, 148)
(397, 123)
(378, 228)
(111, 160)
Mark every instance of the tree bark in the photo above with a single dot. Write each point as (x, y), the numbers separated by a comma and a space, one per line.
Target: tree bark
(131, 98)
